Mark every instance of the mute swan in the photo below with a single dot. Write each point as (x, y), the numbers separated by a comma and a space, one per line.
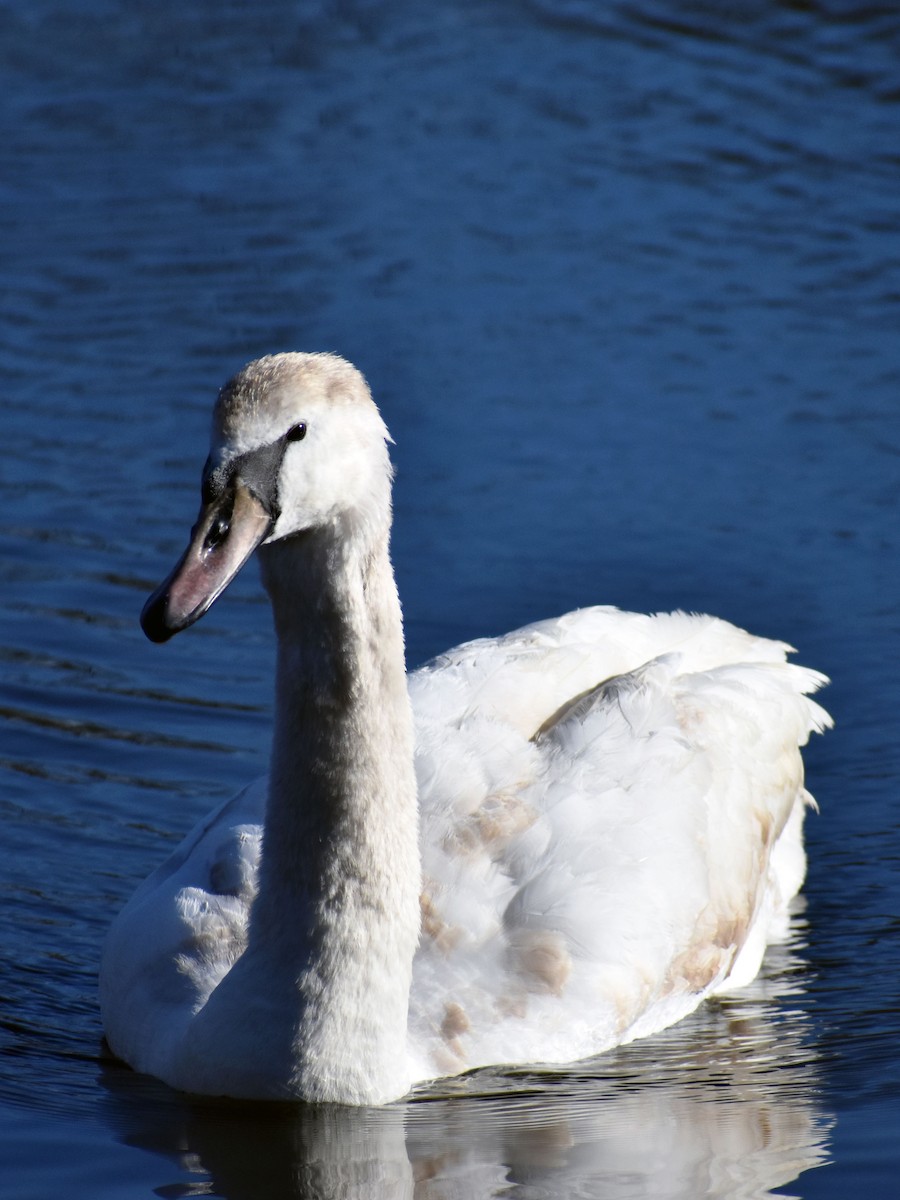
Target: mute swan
(534, 848)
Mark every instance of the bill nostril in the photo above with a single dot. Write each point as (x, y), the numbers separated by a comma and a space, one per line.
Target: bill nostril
(218, 532)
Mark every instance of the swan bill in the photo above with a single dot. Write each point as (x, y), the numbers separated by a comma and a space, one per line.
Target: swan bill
(228, 530)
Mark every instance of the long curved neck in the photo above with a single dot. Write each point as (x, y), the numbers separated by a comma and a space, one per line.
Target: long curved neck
(339, 879)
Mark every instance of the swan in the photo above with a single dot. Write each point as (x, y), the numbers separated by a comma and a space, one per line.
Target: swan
(532, 849)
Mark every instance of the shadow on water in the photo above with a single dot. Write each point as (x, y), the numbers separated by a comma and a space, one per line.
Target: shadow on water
(727, 1104)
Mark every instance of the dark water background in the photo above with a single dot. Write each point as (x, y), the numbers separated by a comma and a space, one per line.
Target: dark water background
(625, 279)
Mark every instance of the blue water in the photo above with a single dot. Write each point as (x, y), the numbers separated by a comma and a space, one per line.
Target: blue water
(625, 280)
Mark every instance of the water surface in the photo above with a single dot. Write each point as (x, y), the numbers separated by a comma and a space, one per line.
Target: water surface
(624, 280)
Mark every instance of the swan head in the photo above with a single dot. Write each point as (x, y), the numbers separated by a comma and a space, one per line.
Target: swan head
(297, 444)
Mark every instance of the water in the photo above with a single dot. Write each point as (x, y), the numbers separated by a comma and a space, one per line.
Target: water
(624, 279)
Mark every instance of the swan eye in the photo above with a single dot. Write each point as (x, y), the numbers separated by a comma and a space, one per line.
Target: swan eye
(296, 433)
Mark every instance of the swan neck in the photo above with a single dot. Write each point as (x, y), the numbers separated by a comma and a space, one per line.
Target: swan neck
(339, 879)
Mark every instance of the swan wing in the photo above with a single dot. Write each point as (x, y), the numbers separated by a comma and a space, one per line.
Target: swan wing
(180, 933)
(605, 841)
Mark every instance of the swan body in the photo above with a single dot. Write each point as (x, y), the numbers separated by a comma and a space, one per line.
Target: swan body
(532, 849)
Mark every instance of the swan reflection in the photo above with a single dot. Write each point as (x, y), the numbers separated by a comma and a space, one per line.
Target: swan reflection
(724, 1105)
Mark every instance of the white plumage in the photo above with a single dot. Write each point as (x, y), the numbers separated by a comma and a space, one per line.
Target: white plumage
(610, 805)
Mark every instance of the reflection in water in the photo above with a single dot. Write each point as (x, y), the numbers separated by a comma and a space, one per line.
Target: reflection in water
(723, 1105)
